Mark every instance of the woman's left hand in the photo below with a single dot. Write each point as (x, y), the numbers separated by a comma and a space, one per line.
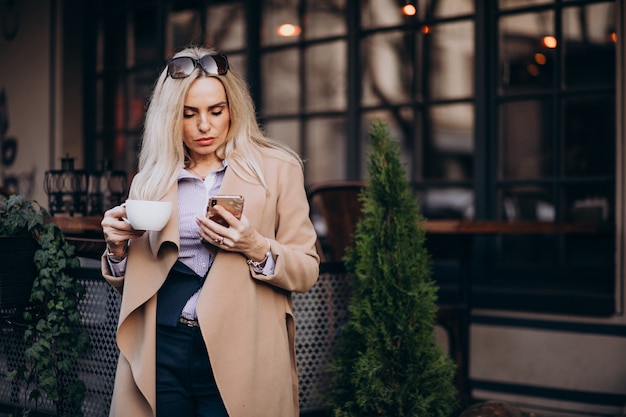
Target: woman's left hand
(240, 236)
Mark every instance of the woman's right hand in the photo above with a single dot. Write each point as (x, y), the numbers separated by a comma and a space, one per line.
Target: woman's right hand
(118, 231)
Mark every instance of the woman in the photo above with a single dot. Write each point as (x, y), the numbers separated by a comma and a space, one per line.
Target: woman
(206, 325)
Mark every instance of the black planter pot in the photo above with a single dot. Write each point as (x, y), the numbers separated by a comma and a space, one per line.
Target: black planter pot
(17, 271)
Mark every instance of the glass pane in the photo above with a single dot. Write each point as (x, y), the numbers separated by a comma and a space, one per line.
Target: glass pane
(589, 45)
(449, 8)
(140, 86)
(530, 203)
(514, 4)
(226, 26)
(449, 142)
(325, 150)
(237, 63)
(325, 18)
(385, 69)
(527, 52)
(589, 136)
(326, 78)
(450, 64)
(447, 203)
(381, 13)
(388, 13)
(280, 22)
(589, 203)
(285, 131)
(400, 124)
(281, 89)
(142, 32)
(525, 144)
(182, 29)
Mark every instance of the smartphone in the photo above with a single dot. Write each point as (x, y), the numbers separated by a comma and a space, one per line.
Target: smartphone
(232, 203)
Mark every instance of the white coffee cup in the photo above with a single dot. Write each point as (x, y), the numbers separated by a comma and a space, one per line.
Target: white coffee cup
(147, 215)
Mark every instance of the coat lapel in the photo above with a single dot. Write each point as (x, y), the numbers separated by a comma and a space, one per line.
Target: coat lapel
(252, 191)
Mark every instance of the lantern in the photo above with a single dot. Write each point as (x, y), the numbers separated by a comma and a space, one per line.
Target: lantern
(107, 188)
(66, 189)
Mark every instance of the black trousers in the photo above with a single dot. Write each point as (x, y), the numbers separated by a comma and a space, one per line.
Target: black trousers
(185, 384)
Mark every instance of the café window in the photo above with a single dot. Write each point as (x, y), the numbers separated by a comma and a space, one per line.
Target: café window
(554, 156)
(504, 110)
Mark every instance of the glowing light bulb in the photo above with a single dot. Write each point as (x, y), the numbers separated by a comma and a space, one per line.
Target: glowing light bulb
(549, 42)
(288, 30)
(409, 10)
(540, 58)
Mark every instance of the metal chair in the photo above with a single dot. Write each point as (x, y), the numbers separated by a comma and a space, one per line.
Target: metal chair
(339, 209)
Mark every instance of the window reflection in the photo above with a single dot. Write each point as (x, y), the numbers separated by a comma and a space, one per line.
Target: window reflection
(226, 27)
(441, 9)
(285, 131)
(526, 60)
(450, 61)
(325, 18)
(275, 14)
(589, 203)
(281, 88)
(237, 63)
(529, 203)
(325, 149)
(449, 142)
(385, 69)
(589, 45)
(325, 77)
(525, 144)
(381, 13)
(513, 4)
(183, 28)
(589, 136)
(386, 13)
(139, 87)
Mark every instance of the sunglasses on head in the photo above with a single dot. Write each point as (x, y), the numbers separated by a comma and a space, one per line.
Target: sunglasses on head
(183, 66)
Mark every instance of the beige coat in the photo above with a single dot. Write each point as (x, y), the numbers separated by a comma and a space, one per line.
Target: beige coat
(246, 318)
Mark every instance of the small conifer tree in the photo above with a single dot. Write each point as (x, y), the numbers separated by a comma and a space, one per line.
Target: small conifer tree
(387, 361)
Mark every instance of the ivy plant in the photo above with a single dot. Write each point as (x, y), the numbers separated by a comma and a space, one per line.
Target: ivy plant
(53, 335)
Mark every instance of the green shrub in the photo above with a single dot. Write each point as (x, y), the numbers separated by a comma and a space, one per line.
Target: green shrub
(387, 361)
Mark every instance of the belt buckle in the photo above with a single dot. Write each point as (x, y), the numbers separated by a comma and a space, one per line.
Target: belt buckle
(188, 322)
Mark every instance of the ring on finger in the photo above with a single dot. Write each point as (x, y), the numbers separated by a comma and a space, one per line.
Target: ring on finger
(219, 240)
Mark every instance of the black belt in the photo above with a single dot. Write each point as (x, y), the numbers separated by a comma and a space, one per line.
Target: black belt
(189, 322)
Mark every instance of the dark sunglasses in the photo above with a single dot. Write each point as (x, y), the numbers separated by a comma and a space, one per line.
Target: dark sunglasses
(183, 66)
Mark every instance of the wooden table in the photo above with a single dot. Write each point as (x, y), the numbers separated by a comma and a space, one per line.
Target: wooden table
(84, 233)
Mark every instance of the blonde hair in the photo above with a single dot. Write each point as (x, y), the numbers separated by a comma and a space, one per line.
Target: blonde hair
(163, 153)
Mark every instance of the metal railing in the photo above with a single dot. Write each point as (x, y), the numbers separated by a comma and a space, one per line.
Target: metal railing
(320, 313)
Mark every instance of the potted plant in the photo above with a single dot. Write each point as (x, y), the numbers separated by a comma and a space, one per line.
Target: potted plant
(387, 361)
(19, 223)
(53, 333)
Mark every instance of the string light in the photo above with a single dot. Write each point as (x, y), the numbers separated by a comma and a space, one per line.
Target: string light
(549, 42)
(409, 10)
(288, 30)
